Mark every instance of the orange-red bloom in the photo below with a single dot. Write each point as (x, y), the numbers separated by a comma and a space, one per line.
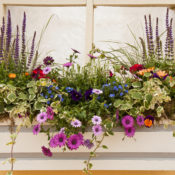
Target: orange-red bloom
(148, 123)
(12, 75)
(26, 74)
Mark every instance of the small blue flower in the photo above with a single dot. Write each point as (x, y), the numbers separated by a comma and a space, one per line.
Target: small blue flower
(126, 91)
(106, 85)
(115, 88)
(59, 96)
(126, 85)
(114, 82)
(46, 96)
(98, 98)
(42, 94)
(106, 105)
(69, 89)
(48, 102)
(121, 94)
(62, 99)
(57, 88)
(111, 95)
(49, 91)
(50, 86)
(120, 87)
(51, 96)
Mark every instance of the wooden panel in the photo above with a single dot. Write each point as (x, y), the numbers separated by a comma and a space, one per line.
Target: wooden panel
(94, 173)
(134, 3)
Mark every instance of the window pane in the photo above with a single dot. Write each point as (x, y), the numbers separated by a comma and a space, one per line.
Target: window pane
(65, 31)
(114, 23)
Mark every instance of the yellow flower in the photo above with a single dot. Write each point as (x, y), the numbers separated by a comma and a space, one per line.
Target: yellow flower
(12, 75)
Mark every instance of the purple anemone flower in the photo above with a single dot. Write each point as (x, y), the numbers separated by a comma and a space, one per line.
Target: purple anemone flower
(67, 64)
(42, 117)
(140, 120)
(47, 70)
(92, 56)
(76, 123)
(88, 144)
(74, 142)
(53, 142)
(129, 132)
(127, 121)
(48, 61)
(60, 139)
(36, 129)
(97, 130)
(76, 96)
(96, 120)
(50, 113)
(88, 94)
(97, 91)
(46, 151)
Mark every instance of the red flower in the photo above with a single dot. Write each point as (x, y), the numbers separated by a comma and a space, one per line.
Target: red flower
(111, 74)
(38, 74)
(136, 67)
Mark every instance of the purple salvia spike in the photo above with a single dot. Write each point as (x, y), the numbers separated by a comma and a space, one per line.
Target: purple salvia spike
(171, 39)
(151, 37)
(23, 61)
(147, 34)
(32, 51)
(8, 32)
(1, 45)
(158, 50)
(16, 56)
(144, 50)
(167, 36)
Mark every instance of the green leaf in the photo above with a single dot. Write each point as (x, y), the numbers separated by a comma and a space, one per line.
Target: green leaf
(126, 106)
(104, 147)
(173, 133)
(1, 107)
(11, 97)
(118, 103)
(136, 84)
(22, 96)
(31, 91)
(159, 111)
(31, 84)
(38, 105)
(147, 74)
(32, 97)
(136, 95)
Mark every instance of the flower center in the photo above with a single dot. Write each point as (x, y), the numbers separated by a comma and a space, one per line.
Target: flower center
(74, 142)
(60, 139)
(42, 117)
(96, 129)
(129, 130)
(127, 121)
(140, 120)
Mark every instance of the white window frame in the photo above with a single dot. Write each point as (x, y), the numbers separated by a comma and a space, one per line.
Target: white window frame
(90, 5)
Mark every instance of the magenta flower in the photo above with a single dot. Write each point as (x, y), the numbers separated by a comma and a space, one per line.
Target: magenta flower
(47, 70)
(42, 117)
(129, 132)
(88, 144)
(75, 51)
(67, 64)
(74, 142)
(53, 142)
(62, 130)
(140, 120)
(50, 113)
(96, 120)
(92, 56)
(76, 123)
(127, 121)
(97, 130)
(46, 151)
(81, 138)
(97, 91)
(60, 139)
(36, 129)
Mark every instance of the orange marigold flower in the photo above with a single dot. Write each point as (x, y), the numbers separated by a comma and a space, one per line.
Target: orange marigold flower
(54, 81)
(161, 74)
(12, 75)
(142, 72)
(26, 74)
(148, 123)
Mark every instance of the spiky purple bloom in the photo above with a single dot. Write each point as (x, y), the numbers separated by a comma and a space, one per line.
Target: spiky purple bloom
(31, 50)
(74, 142)
(42, 117)
(158, 49)
(8, 32)
(36, 129)
(50, 113)
(88, 144)
(127, 121)
(97, 91)
(171, 45)
(75, 51)
(147, 34)
(67, 64)
(97, 130)
(151, 36)
(2, 38)
(88, 94)
(91, 56)
(47, 70)
(46, 151)
(140, 120)
(17, 46)
(23, 46)
(76, 123)
(76, 96)
(96, 120)
(129, 132)
(48, 60)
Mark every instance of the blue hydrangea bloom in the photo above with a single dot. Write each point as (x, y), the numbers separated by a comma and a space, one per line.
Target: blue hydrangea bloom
(111, 95)
(121, 94)
(115, 88)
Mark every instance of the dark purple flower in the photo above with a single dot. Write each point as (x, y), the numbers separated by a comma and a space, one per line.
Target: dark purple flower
(36, 129)
(140, 120)
(88, 94)
(81, 138)
(32, 50)
(17, 46)
(75, 51)
(88, 144)
(8, 31)
(2, 37)
(129, 132)
(91, 56)
(50, 113)
(76, 96)
(155, 75)
(67, 64)
(46, 151)
(48, 61)
(23, 60)
(127, 121)
(74, 142)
